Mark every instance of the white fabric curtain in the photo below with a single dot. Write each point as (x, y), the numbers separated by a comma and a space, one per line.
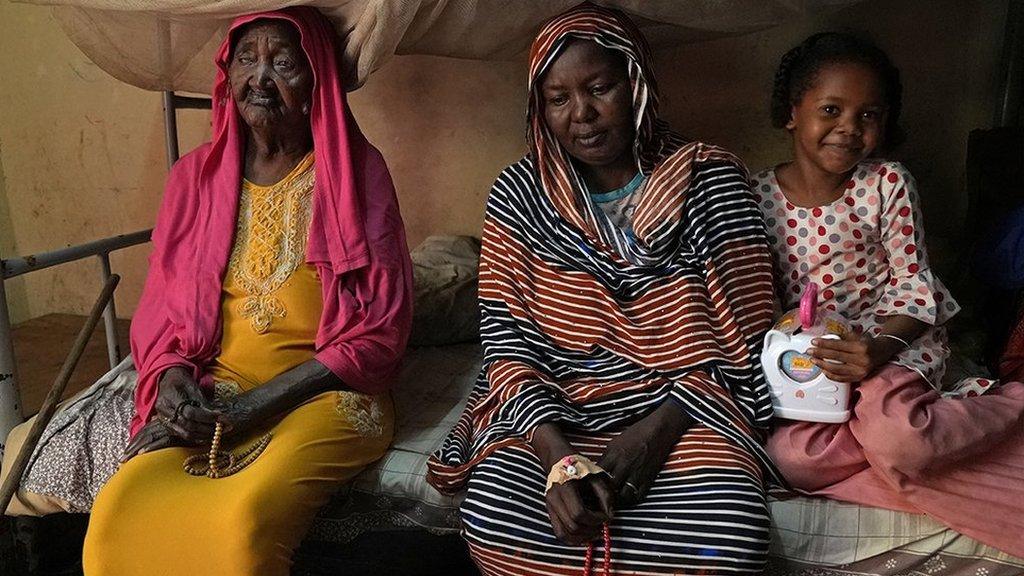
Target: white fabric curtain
(169, 44)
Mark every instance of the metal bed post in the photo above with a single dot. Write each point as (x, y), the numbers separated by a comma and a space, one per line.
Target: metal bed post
(170, 128)
(10, 409)
(172, 103)
(10, 413)
(109, 315)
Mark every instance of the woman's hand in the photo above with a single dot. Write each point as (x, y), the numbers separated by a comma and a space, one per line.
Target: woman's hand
(244, 412)
(853, 358)
(276, 397)
(152, 436)
(182, 407)
(577, 508)
(635, 456)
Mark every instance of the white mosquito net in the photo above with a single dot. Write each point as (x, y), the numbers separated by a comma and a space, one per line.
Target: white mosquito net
(169, 44)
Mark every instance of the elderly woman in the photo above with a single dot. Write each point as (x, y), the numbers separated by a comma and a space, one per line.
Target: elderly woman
(275, 310)
(625, 287)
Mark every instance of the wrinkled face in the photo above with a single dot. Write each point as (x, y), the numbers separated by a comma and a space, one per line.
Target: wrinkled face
(840, 119)
(588, 104)
(270, 79)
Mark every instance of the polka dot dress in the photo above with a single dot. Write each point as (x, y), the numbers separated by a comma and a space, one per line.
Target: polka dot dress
(866, 253)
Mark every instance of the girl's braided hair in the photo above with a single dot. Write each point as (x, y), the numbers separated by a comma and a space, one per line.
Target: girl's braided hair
(798, 69)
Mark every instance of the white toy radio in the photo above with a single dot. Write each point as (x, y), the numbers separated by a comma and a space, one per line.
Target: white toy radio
(800, 390)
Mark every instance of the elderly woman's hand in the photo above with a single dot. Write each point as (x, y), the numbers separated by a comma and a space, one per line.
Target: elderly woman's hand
(244, 412)
(634, 457)
(152, 436)
(260, 406)
(183, 409)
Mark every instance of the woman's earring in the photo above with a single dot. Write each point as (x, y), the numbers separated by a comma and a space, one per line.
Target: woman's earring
(305, 109)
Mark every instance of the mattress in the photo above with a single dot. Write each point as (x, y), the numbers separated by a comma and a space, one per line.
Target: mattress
(810, 536)
(393, 494)
(820, 537)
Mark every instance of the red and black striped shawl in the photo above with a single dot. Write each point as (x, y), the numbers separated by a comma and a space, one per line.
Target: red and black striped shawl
(575, 332)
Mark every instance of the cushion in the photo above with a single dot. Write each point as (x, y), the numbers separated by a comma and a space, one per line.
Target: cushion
(25, 503)
(445, 281)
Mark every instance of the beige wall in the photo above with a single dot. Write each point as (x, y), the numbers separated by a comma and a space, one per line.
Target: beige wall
(82, 155)
(947, 51)
(446, 128)
(15, 288)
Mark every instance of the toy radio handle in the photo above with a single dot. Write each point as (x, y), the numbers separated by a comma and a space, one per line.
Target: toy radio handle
(809, 306)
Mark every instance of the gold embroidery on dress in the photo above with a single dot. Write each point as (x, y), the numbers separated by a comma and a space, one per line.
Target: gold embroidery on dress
(224, 390)
(363, 413)
(270, 242)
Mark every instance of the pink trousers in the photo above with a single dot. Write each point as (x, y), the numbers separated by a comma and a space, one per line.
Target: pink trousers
(961, 461)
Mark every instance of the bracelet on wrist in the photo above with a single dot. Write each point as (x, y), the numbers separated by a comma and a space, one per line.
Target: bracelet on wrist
(571, 467)
(896, 338)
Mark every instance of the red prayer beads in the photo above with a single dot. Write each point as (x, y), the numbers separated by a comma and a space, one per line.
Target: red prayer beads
(588, 559)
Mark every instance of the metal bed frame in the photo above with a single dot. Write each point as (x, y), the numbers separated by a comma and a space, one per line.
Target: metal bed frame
(10, 409)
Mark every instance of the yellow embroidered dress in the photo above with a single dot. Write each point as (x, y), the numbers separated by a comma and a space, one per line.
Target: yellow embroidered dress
(153, 517)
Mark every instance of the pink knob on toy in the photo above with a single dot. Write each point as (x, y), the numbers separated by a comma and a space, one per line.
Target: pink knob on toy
(809, 306)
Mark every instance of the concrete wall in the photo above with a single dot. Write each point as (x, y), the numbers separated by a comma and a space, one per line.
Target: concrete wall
(15, 288)
(947, 52)
(82, 155)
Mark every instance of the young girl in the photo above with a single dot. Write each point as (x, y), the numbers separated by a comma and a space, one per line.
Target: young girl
(848, 221)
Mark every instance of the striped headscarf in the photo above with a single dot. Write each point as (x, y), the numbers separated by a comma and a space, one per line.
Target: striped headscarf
(578, 333)
(654, 141)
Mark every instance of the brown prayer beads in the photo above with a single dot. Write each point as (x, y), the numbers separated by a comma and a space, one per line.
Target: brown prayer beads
(223, 463)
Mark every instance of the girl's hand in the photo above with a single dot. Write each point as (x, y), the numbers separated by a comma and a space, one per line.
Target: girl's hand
(183, 409)
(853, 358)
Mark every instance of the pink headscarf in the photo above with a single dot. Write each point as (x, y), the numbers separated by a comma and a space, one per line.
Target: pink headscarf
(356, 238)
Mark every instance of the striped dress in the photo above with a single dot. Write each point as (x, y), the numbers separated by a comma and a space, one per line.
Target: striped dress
(593, 333)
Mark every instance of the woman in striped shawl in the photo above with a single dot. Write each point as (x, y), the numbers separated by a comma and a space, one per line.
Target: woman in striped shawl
(625, 287)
